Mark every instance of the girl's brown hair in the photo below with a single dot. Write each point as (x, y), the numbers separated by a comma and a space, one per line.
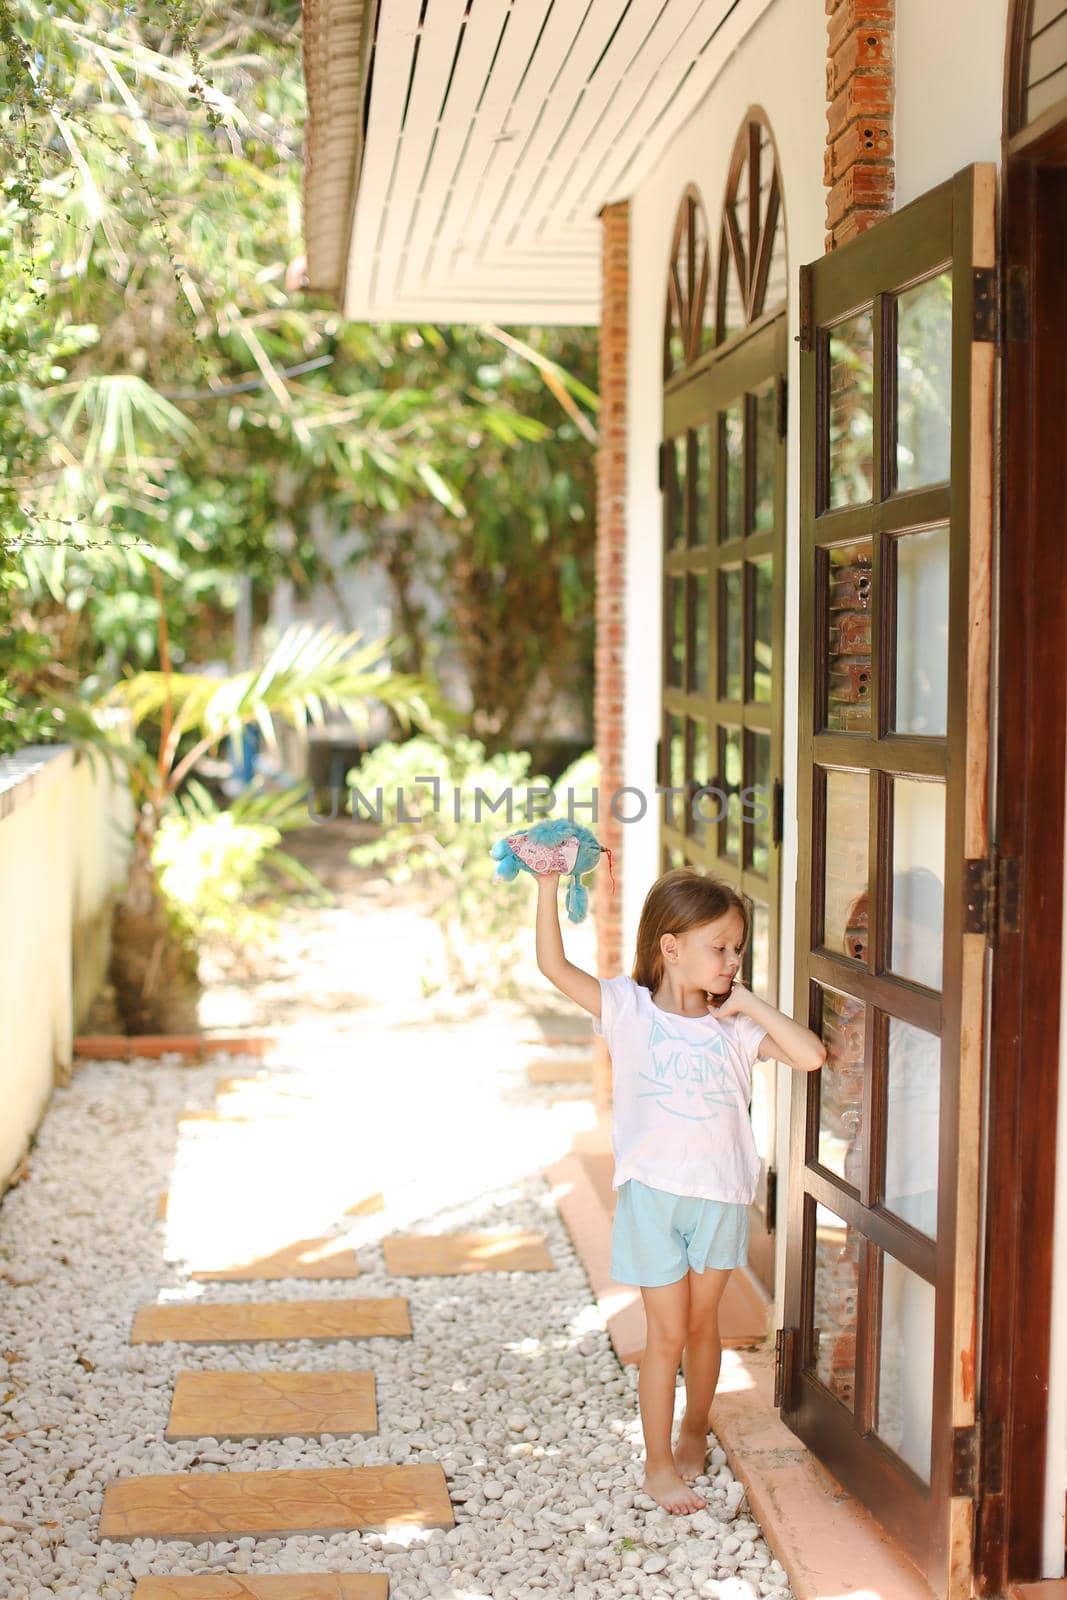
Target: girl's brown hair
(680, 900)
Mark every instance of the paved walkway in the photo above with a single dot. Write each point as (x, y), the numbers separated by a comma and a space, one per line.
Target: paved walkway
(312, 1327)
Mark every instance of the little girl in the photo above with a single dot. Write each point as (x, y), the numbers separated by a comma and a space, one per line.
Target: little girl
(683, 1034)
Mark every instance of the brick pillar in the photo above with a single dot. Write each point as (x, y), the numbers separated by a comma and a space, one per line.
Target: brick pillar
(609, 702)
(858, 168)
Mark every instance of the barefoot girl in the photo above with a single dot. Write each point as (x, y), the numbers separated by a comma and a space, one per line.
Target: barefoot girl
(683, 1034)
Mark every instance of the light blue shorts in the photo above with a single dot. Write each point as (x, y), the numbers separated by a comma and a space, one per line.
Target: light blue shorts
(657, 1237)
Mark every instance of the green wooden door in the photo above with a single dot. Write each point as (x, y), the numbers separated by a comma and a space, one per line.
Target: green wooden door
(878, 1350)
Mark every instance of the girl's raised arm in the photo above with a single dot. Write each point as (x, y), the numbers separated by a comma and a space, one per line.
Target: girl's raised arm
(569, 980)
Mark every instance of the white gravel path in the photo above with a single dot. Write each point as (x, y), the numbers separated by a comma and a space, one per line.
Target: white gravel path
(509, 1381)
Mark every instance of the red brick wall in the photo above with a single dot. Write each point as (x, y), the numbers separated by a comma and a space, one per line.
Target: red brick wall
(609, 703)
(859, 96)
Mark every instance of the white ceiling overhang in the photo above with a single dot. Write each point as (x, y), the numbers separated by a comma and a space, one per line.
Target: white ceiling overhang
(493, 133)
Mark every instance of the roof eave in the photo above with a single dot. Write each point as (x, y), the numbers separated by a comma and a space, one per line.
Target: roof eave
(337, 40)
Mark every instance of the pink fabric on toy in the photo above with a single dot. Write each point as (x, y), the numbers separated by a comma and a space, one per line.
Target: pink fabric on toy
(544, 857)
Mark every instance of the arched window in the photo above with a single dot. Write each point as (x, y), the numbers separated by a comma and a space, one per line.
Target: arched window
(752, 260)
(1037, 61)
(687, 332)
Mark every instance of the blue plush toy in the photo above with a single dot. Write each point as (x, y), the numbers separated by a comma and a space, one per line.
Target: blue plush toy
(554, 846)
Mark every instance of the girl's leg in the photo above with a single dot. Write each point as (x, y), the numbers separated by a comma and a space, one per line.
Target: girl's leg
(700, 1363)
(667, 1316)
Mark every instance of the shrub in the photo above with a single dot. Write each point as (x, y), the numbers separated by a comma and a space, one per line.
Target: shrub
(443, 846)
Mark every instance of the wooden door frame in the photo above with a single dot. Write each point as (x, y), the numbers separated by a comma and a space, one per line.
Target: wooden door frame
(1031, 751)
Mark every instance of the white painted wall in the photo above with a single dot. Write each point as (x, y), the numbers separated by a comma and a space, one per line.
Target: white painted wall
(61, 854)
(949, 89)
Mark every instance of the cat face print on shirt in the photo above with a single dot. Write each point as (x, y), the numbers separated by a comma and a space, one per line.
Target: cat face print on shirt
(689, 1077)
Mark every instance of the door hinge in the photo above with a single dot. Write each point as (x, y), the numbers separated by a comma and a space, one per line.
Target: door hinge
(784, 1352)
(661, 466)
(986, 305)
(770, 1219)
(977, 1460)
(777, 811)
(806, 335)
(1017, 304)
(659, 760)
(781, 404)
(991, 894)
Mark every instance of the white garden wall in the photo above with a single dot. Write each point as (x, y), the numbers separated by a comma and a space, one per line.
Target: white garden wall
(62, 850)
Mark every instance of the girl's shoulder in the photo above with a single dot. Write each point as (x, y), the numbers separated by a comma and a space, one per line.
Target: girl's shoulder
(620, 997)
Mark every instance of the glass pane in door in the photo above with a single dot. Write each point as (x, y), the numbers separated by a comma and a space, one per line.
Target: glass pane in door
(699, 808)
(921, 573)
(834, 1304)
(851, 408)
(906, 1365)
(765, 447)
(842, 1136)
(732, 471)
(761, 579)
(675, 632)
(678, 486)
(674, 808)
(924, 382)
(730, 772)
(702, 486)
(756, 811)
(918, 902)
(913, 1125)
(731, 616)
(845, 842)
(848, 644)
(698, 635)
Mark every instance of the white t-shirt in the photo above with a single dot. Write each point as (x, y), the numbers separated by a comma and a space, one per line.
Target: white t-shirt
(681, 1088)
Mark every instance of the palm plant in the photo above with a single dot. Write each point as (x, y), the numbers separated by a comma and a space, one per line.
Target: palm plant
(182, 716)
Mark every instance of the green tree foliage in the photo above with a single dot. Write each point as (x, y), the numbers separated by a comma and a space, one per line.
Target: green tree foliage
(197, 405)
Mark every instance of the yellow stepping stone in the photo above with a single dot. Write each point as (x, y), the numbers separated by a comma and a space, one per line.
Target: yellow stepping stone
(200, 1323)
(271, 1405)
(280, 1505)
(303, 1258)
(293, 1586)
(421, 1255)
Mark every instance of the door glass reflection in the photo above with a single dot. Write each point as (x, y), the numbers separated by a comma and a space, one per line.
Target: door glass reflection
(850, 373)
(698, 647)
(906, 1365)
(924, 382)
(675, 632)
(678, 456)
(730, 771)
(762, 636)
(913, 1096)
(845, 904)
(756, 813)
(701, 808)
(848, 645)
(842, 1136)
(765, 447)
(732, 471)
(918, 906)
(702, 486)
(921, 565)
(673, 806)
(834, 1303)
(730, 627)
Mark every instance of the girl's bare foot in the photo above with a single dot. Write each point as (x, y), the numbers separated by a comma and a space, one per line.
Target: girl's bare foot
(691, 1454)
(669, 1491)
